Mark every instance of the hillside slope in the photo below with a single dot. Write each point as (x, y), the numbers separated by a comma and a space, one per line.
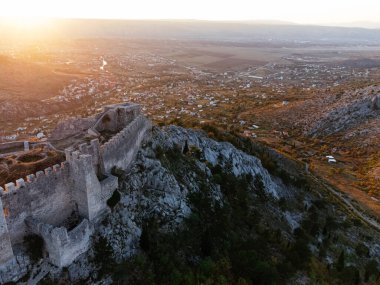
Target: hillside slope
(193, 210)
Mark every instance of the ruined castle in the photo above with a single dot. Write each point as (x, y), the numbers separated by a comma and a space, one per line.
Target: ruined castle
(42, 203)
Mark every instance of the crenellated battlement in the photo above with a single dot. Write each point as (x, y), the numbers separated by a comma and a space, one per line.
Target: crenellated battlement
(120, 150)
(81, 184)
(128, 131)
(31, 179)
(62, 245)
(84, 148)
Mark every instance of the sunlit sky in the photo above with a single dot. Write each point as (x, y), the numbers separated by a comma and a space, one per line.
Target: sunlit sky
(298, 11)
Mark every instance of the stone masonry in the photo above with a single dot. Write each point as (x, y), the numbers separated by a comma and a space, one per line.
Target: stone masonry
(43, 202)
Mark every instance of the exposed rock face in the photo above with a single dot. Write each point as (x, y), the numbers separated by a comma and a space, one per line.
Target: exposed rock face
(151, 190)
(351, 113)
(14, 269)
(376, 102)
(158, 185)
(221, 153)
(154, 189)
(346, 111)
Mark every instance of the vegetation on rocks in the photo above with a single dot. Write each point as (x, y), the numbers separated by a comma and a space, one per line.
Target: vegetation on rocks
(245, 238)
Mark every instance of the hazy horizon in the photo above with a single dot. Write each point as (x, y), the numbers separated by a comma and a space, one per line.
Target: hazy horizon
(351, 13)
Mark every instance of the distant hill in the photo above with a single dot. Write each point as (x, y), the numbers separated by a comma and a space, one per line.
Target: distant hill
(21, 79)
(204, 30)
(362, 24)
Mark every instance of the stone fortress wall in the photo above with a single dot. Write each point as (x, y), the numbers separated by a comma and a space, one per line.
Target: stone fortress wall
(128, 141)
(43, 203)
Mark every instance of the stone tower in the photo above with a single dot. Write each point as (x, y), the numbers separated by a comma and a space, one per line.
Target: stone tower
(87, 189)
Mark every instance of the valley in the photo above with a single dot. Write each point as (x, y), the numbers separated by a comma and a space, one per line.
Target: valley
(297, 98)
(189, 152)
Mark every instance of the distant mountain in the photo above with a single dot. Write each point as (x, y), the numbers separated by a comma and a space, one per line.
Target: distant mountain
(360, 24)
(269, 22)
(206, 30)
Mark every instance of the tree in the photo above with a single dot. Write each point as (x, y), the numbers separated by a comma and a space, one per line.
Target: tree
(371, 269)
(104, 256)
(185, 148)
(350, 275)
(340, 263)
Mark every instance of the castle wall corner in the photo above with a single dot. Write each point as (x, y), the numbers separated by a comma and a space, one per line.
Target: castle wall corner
(6, 251)
(121, 150)
(87, 190)
(63, 246)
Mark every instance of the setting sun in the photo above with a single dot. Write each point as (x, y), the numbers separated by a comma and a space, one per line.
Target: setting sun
(27, 22)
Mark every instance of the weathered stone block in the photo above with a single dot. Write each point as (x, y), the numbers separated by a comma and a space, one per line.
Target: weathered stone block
(48, 171)
(56, 168)
(20, 183)
(30, 178)
(10, 187)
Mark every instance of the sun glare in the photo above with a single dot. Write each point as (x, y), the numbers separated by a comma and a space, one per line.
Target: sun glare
(27, 22)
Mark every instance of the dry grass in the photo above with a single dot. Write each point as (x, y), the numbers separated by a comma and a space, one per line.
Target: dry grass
(24, 80)
(13, 168)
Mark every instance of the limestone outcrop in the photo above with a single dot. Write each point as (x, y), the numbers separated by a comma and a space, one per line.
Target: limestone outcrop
(376, 102)
(151, 189)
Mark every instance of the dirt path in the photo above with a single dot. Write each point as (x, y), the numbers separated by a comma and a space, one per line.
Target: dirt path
(346, 201)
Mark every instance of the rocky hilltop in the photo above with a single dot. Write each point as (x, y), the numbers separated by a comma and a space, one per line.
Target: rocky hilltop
(193, 209)
(345, 112)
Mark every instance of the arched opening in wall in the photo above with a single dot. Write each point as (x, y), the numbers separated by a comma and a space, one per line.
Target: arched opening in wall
(114, 200)
(73, 220)
(118, 172)
(35, 247)
(107, 128)
(106, 119)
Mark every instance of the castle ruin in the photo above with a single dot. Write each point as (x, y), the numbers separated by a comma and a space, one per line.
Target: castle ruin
(42, 203)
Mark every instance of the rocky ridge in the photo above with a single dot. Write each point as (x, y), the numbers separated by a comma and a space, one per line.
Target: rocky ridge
(153, 190)
(175, 163)
(344, 112)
